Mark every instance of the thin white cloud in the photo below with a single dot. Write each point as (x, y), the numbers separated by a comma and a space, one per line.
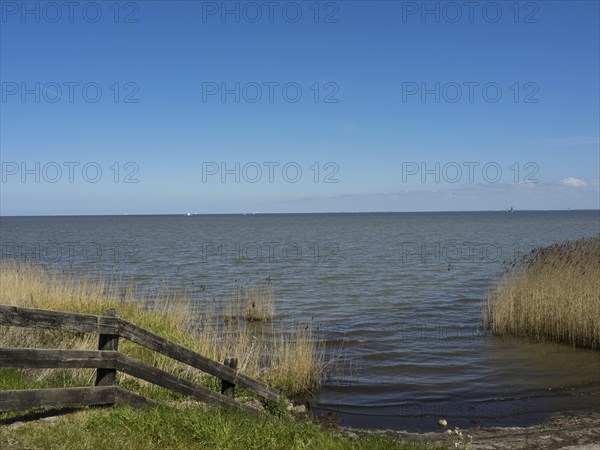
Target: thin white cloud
(490, 196)
(528, 184)
(572, 182)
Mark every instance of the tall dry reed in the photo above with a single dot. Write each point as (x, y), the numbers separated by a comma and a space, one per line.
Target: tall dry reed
(254, 302)
(552, 293)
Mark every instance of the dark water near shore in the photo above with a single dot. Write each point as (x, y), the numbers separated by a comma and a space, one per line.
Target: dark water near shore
(397, 297)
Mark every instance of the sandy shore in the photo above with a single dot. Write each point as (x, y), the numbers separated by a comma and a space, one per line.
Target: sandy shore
(567, 431)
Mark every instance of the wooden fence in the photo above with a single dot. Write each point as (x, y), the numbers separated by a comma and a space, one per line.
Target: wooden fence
(107, 361)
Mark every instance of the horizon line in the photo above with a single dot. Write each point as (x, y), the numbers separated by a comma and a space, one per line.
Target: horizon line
(186, 214)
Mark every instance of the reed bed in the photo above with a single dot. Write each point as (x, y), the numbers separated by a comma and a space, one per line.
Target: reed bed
(285, 356)
(254, 302)
(552, 293)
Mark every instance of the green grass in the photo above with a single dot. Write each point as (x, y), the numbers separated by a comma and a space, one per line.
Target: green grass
(180, 428)
(178, 424)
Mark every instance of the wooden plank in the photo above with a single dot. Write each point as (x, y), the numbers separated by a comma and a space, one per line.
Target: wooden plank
(157, 343)
(167, 380)
(128, 398)
(228, 388)
(58, 320)
(109, 342)
(56, 359)
(15, 400)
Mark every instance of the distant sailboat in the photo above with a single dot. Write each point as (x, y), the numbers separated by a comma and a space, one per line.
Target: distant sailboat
(511, 210)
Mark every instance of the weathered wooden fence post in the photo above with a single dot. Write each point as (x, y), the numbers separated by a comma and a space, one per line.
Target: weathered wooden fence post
(228, 388)
(107, 377)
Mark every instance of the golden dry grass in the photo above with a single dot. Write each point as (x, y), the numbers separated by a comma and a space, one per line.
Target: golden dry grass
(291, 359)
(254, 302)
(553, 293)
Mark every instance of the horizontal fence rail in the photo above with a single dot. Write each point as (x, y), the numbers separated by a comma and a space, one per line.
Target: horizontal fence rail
(107, 361)
(70, 397)
(35, 398)
(20, 358)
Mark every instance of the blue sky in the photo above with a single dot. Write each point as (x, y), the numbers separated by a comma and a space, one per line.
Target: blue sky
(400, 109)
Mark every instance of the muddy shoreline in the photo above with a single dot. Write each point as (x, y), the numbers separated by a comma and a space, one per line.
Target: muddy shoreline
(568, 430)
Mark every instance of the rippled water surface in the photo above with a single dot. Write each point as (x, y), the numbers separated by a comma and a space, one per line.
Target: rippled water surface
(397, 297)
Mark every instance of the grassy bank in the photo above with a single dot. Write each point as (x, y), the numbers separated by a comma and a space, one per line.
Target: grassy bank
(247, 328)
(553, 293)
(286, 356)
(186, 427)
(176, 424)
